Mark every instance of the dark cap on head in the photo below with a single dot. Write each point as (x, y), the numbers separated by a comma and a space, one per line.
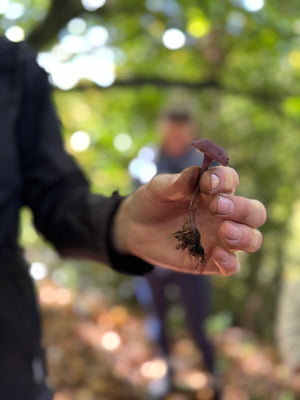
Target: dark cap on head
(176, 115)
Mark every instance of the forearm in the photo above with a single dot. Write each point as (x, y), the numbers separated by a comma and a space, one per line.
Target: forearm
(80, 225)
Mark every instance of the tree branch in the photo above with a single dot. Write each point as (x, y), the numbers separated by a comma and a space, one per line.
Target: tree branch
(140, 81)
(60, 13)
(57, 17)
(263, 95)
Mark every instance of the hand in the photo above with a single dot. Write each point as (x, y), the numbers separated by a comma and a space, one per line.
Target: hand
(145, 221)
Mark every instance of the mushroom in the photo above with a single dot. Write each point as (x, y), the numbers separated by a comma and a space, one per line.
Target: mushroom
(211, 152)
(188, 236)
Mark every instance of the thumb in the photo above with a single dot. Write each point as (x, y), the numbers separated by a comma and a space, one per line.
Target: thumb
(175, 187)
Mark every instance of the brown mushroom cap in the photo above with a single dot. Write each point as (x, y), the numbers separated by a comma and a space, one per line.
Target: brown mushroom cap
(212, 150)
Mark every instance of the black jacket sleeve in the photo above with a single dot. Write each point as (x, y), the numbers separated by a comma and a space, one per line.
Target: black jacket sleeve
(76, 221)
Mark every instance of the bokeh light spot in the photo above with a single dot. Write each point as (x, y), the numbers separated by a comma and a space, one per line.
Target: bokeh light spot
(3, 6)
(71, 44)
(155, 369)
(97, 36)
(147, 153)
(110, 341)
(64, 76)
(15, 33)
(154, 5)
(197, 380)
(252, 5)
(14, 11)
(135, 167)
(92, 5)
(147, 172)
(80, 141)
(99, 70)
(38, 271)
(76, 26)
(235, 22)
(142, 170)
(173, 39)
(198, 26)
(123, 142)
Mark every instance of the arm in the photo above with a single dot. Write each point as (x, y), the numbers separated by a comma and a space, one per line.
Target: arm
(75, 221)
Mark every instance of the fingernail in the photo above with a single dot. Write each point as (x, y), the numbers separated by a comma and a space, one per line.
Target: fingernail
(225, 206)
(234, 232)
(214, 182)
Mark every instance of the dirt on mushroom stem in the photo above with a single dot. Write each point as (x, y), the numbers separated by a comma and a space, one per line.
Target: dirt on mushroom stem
(190, 238)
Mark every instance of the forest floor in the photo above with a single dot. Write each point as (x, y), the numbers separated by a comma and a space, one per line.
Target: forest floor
(100, 352)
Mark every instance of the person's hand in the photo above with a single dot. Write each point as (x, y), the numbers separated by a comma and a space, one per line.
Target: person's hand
(146, 220)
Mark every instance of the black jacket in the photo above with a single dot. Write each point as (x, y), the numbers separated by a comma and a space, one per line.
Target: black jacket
(36, 171)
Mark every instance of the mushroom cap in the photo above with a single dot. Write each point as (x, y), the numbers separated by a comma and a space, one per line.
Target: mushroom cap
(212, 150)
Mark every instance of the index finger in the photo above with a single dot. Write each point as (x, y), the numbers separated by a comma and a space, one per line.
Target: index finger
(219, 180)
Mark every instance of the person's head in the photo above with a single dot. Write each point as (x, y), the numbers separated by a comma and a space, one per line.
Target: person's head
(177, 130)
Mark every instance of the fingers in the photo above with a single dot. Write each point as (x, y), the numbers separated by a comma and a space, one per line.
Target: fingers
(175, 187)
(239, 209)
(219, 180)
(241, 216)
(222, 261)
(226, 261)
(239, 237)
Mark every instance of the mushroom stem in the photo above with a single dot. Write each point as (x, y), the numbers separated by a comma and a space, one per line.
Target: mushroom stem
(193, 207)
(193, 199)
(206, 163)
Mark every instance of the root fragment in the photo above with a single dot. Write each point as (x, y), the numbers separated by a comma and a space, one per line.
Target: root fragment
(189, 238)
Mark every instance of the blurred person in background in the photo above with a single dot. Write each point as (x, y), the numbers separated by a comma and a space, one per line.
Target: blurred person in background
(177, 129)
(36, 171)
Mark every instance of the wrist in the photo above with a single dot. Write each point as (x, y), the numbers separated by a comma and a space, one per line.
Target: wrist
(119, 234)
